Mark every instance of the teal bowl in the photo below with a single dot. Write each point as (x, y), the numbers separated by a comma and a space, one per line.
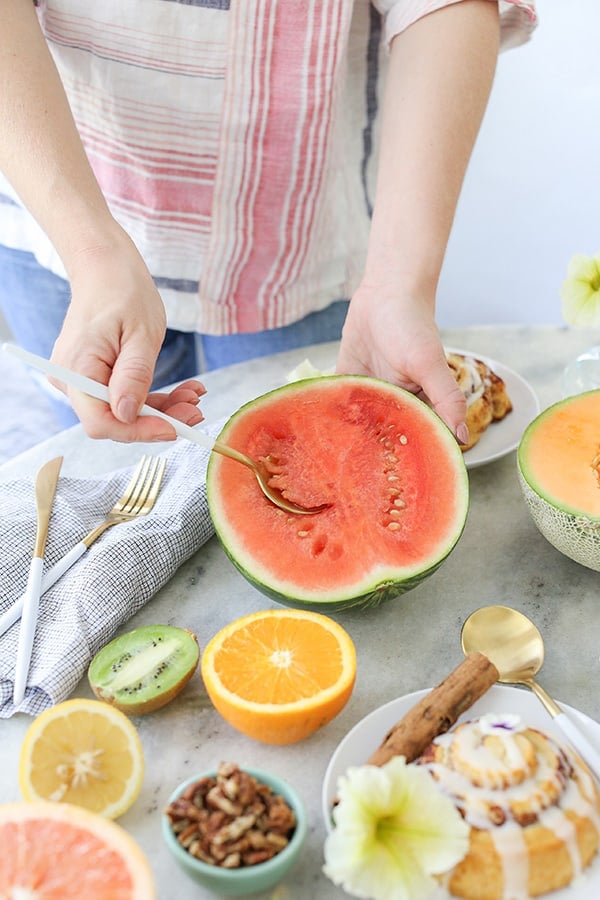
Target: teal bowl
(246, 879)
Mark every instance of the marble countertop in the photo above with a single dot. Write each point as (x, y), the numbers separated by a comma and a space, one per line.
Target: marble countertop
(409, 644)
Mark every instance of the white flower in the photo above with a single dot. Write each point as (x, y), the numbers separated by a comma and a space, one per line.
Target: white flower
(393, 831)
(580, 292)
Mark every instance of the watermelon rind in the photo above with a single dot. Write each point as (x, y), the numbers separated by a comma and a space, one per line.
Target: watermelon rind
(380, 593)
(377, 587)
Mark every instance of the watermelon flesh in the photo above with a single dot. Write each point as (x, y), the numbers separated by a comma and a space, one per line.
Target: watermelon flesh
(390, 472)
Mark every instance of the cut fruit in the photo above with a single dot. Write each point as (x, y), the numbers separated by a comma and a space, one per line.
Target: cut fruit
(391, 472)
(82, 752)
(144, 669)
(53, 851)
(279, 675)
(559, 473)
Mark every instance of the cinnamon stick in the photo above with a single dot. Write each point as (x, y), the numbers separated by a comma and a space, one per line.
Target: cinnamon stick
(437, 712)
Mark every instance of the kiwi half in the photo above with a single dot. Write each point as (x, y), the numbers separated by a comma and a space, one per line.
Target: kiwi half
(144, 669)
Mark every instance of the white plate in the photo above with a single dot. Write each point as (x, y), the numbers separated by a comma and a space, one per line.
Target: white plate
(366, 736)
(502, 437)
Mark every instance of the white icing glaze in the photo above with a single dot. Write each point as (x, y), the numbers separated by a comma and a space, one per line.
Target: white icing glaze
(555, 820)
(470, 381)
(511, 848)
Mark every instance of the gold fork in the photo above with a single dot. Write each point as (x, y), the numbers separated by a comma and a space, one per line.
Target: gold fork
(139, 498)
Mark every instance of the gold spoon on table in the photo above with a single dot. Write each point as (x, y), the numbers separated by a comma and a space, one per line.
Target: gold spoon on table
(100, 392)
(515, 646)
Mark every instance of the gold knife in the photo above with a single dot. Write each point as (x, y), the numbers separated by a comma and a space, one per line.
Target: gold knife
(45, 489)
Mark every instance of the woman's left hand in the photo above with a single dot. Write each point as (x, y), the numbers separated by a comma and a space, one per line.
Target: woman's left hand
(395, 338)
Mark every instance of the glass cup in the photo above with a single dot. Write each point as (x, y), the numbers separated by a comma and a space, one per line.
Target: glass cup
(583, 373)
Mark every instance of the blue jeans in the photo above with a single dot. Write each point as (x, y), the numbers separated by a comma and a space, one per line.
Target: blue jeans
(34, 302)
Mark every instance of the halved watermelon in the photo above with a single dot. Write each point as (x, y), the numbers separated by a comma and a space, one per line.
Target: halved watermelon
(390, 470)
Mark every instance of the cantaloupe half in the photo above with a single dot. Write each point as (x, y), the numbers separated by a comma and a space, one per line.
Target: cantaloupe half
(388, 469)
(559, 472)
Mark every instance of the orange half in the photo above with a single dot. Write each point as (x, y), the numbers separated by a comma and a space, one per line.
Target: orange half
(279, 675)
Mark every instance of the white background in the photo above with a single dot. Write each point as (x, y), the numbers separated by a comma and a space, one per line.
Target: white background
(532, 194)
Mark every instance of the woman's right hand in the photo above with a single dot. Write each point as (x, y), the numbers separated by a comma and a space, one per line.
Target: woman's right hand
(112, 333)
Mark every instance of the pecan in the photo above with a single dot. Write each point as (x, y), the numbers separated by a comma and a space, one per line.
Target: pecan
(256, 839)
(188, 835)
(257, 856)
(234, 830)
(278, 841)
(215, 820)
(280, 817)
(217, 799)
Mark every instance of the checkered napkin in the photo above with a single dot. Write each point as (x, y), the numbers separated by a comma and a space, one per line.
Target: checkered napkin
(114, 578)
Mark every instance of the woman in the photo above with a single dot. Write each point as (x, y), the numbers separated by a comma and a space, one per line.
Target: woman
(211, 166)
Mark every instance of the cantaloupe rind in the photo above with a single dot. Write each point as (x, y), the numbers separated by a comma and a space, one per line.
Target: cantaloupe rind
(562, 447)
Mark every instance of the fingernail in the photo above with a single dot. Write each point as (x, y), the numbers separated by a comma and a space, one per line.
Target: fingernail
(462, 433)
(127, 410)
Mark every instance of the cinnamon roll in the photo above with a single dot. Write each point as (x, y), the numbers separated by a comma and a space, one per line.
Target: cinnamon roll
(484, 391)
(532, 804)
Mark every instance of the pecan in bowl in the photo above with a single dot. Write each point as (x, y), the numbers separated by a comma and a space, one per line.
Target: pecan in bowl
(235, 831)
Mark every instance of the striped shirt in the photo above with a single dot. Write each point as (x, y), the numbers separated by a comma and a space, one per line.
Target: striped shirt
(234, 140)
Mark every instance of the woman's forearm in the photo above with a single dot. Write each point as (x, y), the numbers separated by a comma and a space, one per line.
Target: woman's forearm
(40, 150)
(440, 75)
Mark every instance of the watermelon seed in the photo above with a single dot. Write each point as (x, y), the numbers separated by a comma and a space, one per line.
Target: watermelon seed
(393, 478)
(303, 534)
(403, 439)
(393, 526)
(400, 502)
(395, 513)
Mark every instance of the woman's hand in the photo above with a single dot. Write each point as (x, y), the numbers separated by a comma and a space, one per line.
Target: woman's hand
(395, 338)
(112, 333)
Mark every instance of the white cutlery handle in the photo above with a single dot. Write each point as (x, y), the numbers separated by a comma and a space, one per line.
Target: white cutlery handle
(100, 392)
(13, 613)
(31, 602)
(63, 564)
(579, 741)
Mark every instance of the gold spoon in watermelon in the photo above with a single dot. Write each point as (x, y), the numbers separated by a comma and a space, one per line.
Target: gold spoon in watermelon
(100, 392)
(515, 646)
